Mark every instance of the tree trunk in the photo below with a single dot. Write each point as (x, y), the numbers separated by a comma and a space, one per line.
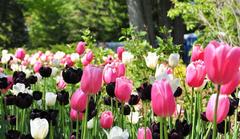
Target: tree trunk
(140, 16)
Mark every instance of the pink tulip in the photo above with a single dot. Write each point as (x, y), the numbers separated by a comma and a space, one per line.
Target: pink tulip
(222, 109)
(230, 86)
(78, 101)
(120, 50)
(141, 133)
(221, 61)
(91, 81)
(196, 73)
(80, 47)
(75, 115)
(123, 89)
(120, 69)
(37, 66)
(108, 60)
(10, 84)
(163, 102)
(109, 73)
(87, 58)
(68, 61)
(20, 53)
(61, 84)
(106, 119)
(197, 53)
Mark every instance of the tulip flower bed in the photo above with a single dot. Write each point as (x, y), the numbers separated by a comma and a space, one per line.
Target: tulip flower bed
(62, 96)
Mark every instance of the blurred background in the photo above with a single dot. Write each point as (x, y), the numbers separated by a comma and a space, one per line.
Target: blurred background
(44, 23)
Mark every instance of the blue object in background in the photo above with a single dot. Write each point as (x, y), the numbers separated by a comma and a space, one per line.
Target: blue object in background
(189, 39)
(114, 45)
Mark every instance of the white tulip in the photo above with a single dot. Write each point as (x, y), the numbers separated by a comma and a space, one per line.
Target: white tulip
(15, 67)
(50, 99)
(127, 57)
(5, 58)
(54, 71)
(161, 70)
(4, 51)
(17, 88)
(134, 117)
(174, 82)
(55, 62)
(59, 55)
(39, 128)
(151, 60)
(173, 59)
(20, 88)
(26, 71)
(90, 123)
(74, 57)
(117, 133)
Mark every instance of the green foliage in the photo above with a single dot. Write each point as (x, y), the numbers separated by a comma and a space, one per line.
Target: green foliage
(12, 25)
(166, 45)
(219, 19)
(46, 21)
(136, 43)
(104, 18)
(52, 22)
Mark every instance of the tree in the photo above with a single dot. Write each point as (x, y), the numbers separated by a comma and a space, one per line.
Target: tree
(13, 32)
(149, 18)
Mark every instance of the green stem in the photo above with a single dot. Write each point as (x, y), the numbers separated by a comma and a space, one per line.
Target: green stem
(85, 120)
(23, 121)
(165, 129)
(192, 99)
(51, 131)
(215, 115)
(225, 129)
(194, 117)
(161, 127)
(122, 106)
(209, 128)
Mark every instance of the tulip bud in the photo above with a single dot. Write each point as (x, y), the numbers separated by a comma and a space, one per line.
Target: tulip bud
(37, 66)
(222, 109)
(127, 57)
(196, 73)
(50, 99)
(173, 59)
(20, 53)
(197, 53)
(151, 60)
(106, 119)
(75, 115)
(71, 75)
(45, 71)
(87, 58)
(142, 131)
(39, 128)
(163, 102)
(91, 81)
(231, 85)
(120, 50)
(80, 47)
(61, 84)
(222, 62)
(123, 89)
(78, 101)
